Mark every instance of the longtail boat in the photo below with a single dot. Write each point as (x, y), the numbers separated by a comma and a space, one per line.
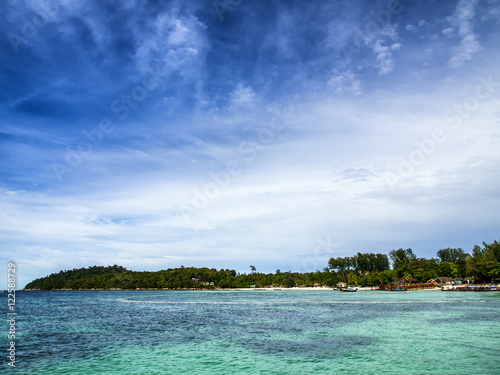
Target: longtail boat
(350, 289)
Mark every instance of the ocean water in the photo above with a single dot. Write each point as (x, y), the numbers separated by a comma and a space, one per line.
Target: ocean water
(256, 332)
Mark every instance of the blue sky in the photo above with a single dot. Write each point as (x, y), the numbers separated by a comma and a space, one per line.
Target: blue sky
(276, 134)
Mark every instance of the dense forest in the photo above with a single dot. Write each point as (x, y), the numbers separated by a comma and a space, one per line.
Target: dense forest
(366, 269)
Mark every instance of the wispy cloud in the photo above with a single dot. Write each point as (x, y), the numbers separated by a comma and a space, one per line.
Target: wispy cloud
(463, 22)
(242, 96)
(383, 54)
(345, 82)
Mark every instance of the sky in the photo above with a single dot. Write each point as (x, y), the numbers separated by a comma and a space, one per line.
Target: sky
(233, 133)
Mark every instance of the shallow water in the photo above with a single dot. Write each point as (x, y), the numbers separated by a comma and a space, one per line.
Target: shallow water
(248, 332)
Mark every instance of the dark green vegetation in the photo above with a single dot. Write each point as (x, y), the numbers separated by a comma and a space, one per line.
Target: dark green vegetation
(373, 269)
(483, 265)
(198, 278)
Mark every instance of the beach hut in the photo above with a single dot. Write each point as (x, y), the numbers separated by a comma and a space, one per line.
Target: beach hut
(444, 280)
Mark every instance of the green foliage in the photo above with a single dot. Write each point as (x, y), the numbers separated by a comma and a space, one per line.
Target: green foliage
(423, 270)
(406, 264)
(177, 278)
(448, 269)
(457, 257)
(352, 278)
(401, 258)
(386, 277)
(95, 275)
(361, 262)
(484, 264)
(363, 268)
(450, 255)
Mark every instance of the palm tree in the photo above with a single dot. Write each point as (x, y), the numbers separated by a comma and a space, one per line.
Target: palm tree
(407, 277)
(254, 270)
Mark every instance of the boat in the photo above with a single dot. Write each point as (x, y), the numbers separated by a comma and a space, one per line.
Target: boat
(349, 289)
(471, 288)
(485, 288)
(407, 287)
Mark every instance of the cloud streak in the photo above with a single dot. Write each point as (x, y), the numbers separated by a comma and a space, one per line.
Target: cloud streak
(462, 20)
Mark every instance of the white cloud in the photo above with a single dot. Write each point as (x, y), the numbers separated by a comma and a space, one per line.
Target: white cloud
(469, 46)
(448, 31)
(242, 96)
(384, 57)
(177, 42)
(345, 82)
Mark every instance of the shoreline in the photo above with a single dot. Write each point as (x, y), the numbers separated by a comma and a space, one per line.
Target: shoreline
(277, 289)
(272, 289)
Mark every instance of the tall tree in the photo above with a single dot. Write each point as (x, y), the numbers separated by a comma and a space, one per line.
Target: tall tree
(484, 264)
(450, 255)
(401, 257)
(401, 261)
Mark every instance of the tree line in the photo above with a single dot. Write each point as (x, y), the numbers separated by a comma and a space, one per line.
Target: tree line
(117, 277)
(367, 269)
(482, 266)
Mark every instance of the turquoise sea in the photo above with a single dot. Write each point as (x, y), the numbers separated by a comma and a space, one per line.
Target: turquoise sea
(256, 332)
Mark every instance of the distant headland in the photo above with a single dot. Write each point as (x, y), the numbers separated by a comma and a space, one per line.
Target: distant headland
(362, 269)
